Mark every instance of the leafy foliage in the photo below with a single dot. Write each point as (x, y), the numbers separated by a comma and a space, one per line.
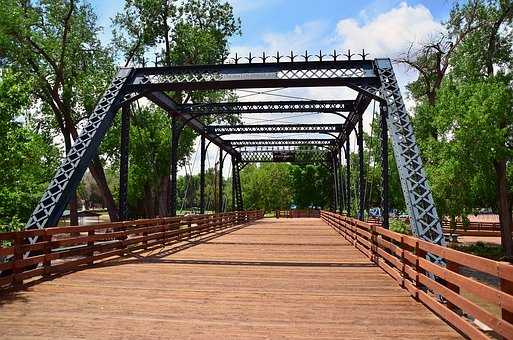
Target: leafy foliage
(27, 158)
(399, 226)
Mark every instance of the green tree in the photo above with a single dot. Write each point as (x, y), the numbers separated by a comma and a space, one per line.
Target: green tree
(27, 159)
(465, 131)
(177, 33)
(55, 45)
(266, 186)
(310, 185)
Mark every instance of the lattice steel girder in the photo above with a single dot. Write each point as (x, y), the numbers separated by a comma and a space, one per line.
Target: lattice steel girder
(424, 220)
(275, 128)
(281, 148)
(361, 103)
(298, 156)
(164, 101)
(323, 106)
(281, 142)
(264, 75)
(72, 168)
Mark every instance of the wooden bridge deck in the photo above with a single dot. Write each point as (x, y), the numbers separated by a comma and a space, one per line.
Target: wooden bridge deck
(286, 278)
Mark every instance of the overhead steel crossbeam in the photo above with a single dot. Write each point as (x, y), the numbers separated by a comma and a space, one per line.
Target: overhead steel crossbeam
(297, 156)
(321, 106)
(282, 148)
(263, 75)
(275, 128)
(281, 142)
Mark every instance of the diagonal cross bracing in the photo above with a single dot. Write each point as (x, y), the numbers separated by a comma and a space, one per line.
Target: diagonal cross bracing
(282, 142)
(275, 128)
(323, 106)
(296, 156)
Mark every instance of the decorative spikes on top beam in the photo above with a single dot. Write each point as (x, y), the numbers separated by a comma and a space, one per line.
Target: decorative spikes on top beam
(265, 58)
(295, 57)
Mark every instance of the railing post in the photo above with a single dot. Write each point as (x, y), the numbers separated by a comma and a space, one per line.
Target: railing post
(374, 244)
(420, 254)
(403, 264)
(145, 241)
(90, 245)
(355, 234)
(506, 286)
(18, 257)
(47, 251)
(123, 238)
(454, 267)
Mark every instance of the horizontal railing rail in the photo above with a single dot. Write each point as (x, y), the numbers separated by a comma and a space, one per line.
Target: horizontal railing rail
(62, 249)
(299, 213)
(485, 229)
(473, 225)
(459, 299)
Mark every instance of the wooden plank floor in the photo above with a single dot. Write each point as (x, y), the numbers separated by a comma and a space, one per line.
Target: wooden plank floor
(274, 279)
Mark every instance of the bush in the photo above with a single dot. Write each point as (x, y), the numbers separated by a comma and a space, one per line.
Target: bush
(488, 250)
(400, 226)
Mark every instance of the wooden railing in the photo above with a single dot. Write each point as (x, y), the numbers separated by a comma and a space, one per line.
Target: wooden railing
(298, 213)
(456, 298)
(485, 229)
(473, 229)
(63, 249)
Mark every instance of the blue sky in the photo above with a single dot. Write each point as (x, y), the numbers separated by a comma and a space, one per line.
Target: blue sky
(261, 18)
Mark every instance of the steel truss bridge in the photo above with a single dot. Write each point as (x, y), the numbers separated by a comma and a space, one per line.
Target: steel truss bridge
(420, 265)
(370, 79)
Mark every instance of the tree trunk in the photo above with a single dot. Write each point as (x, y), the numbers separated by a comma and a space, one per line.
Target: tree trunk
(73, 213)
(96, 169)
(504, 205)
(164, 196)
(98, 174)
(148, 201)
(73, 210)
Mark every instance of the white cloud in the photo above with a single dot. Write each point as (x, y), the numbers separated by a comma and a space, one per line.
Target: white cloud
(389, 33)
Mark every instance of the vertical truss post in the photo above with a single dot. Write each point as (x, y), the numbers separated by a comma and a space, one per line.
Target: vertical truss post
(175, 139)
(234, 190)
(361, 170)
(220, 203)
(424, 219)
(123, 165)
(384, 166)
(203, 153)
(334, 161)
(329, 166)
(342, 184)
(236, 186)
(63, 185)
(348, 177)
(240, 203)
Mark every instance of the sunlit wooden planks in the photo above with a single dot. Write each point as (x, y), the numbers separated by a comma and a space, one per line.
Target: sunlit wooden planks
(287, 278)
